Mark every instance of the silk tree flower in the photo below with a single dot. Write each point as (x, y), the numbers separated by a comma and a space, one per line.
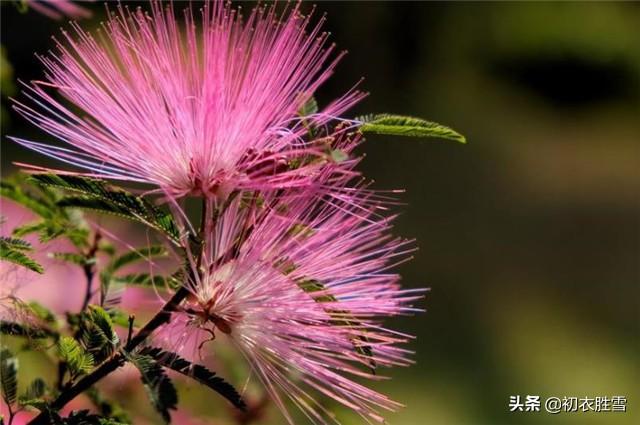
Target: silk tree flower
(298, 281)
(57, 9)
(199, 110)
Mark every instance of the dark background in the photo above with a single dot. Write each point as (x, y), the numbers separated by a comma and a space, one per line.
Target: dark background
(529, 235)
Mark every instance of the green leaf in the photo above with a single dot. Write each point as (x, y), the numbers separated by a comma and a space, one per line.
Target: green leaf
(311, 286)
(17, 329)
(338, 156)
(14, 255)
(29, 228)
(36, 403)
(71, 257)
(96, 195)
(118, 317)
(22, 6)
(34, 392)
(128, 258)
(12, 190)
(41, 312)
(8, 376)
(78, 361)
(55, 220)
(309, 107)
(143, 279)
(398, 125)
(106, 247)
(137, 255)
(17, 244)
(159, 387)
(108, 408)
(85, 417)
(197, 372)
(98, 336)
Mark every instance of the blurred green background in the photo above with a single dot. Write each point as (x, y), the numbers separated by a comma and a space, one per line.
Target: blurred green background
(529, 235)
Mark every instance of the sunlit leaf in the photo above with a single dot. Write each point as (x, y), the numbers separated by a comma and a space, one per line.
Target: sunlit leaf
(398, 125)
(98, 336)
(97, 195)
(309, 107)
(9, 253)
(71, 352)
(15, 243)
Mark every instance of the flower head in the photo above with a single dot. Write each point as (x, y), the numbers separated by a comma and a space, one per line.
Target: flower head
(298, 281)
(196, 110)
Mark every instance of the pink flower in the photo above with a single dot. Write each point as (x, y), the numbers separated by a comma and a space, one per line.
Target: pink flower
(57, 9)
(193, 110)
(299, 282)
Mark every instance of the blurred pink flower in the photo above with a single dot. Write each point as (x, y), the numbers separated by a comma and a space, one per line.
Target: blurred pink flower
(299, 282)
(193, 110)
(57, 9)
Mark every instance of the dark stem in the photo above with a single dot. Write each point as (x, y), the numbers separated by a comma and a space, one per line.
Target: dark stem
(89, 269)
(130, 331)
(62, 369)
(161, 317)
(11, 413)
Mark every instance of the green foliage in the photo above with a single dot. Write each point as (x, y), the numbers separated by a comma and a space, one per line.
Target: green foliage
(73, 258)
(32, 397)
(107, 408)
(97, 334)
(78, 361)
(8, 376)
(144, 279)
(12, 189)
(300, 231)
(136, 255)
(338, 156)
(40, 312)
(107, 276)
(159, 387)
(36, 389)
(17, 244)
(19, 329)
(309, 107)
(85, 417)
(36, 403)
(97, 195)
(54, 220)
(11, 251)
(21, 5)
(311, 286)
(398, 125)
(196, 372)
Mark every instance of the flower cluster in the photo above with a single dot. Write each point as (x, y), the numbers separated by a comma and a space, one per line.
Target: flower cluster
(298, 281)
(296, 252)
